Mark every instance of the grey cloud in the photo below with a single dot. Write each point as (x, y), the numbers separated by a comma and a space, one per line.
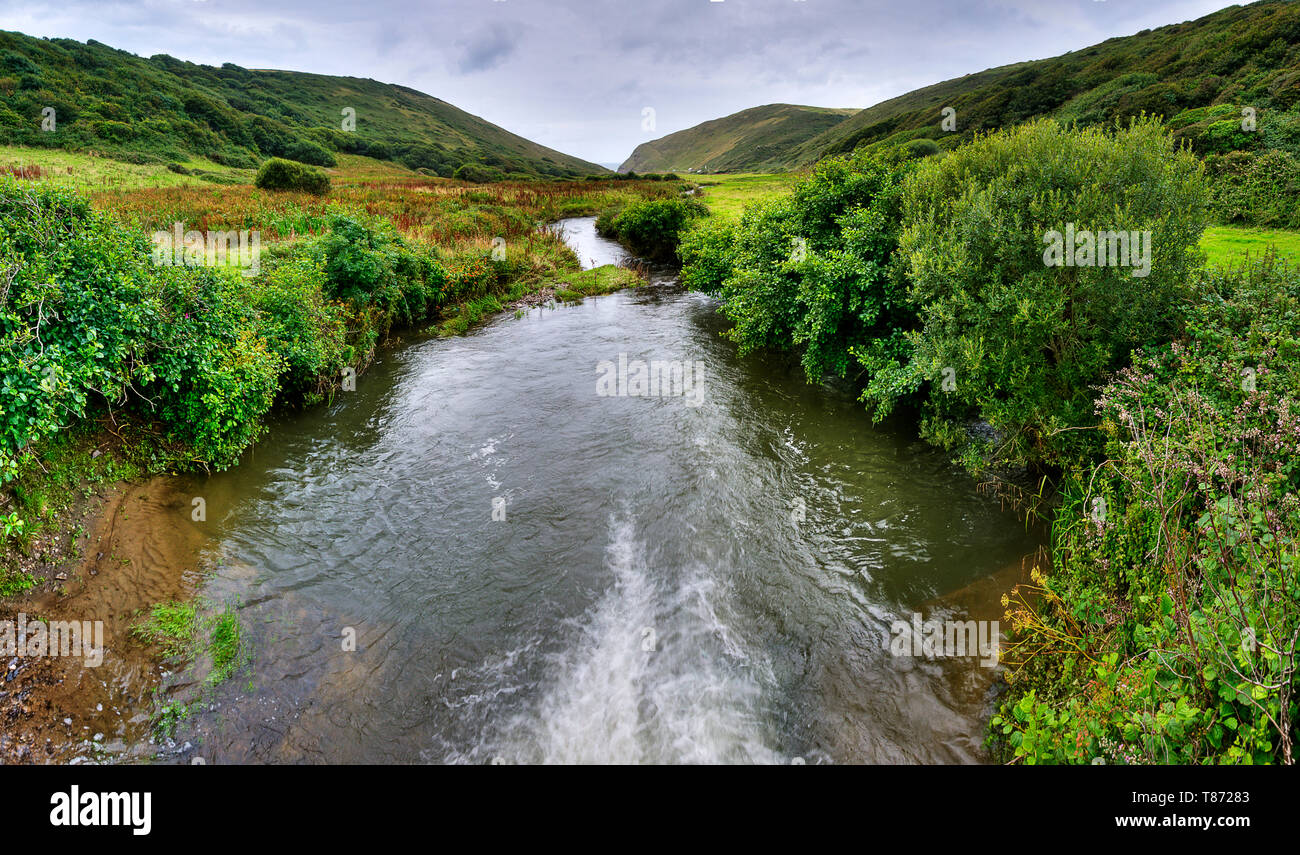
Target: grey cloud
(575, 74)
(487, 48)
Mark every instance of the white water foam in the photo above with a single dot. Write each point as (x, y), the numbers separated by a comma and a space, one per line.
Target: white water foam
(696, 697)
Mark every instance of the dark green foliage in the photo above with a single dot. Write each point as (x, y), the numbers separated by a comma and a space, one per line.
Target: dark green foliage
(477, 173)
(113, 102)
(367, 264)
(279, 174)
(1023, 343)
(305, 151)
(1260, 189)
(651, 228)
(814, 270)
(921, 148)
(74, 310)
(1167, 631)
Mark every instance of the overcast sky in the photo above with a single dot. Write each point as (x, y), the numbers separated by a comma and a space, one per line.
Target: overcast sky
(577, 75)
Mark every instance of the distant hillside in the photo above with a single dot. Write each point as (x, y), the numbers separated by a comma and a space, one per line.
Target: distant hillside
(164, 110)
(1198, 75)
(1239, 56)
(759, 139)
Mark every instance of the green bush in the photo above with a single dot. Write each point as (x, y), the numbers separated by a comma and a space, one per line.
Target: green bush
(477, 173)
(1004, 337)
(280, 174)
(306, 151)
(370, 266)
(1167, 631)
(651, 228)
(216, 378)
(75, 314)
(814, 270)
(306, 331)
(1256, 189)
(921, 148)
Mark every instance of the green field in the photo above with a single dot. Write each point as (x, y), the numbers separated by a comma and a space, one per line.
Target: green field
(90, 172)
(1232, 244)
(727, 195)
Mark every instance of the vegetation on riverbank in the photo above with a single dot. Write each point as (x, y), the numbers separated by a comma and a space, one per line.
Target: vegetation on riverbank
(1160, 405)
(652, 228)
(188, 359)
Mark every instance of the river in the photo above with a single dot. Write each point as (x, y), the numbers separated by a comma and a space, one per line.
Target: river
(536, 572)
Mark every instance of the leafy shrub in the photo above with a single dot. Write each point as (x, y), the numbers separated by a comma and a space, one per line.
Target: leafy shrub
(1258, 189)
(1022, 344)
(1167, 632)
(74, 313)
(217, 378)
(368, 264)
(651, 227)
(921, 148)
(306, 331)
(306, 151)
(814, 270)
(477, 173)
(280, 174)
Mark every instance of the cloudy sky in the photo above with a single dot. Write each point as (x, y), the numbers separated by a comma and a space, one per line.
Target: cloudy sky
(577, 75)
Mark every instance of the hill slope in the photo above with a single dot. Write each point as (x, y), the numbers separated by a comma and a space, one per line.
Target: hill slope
(755, 140)
(1242, 55)
(1198, 75)
(163, 109)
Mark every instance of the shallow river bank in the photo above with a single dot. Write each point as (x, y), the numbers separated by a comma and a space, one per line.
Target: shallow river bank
(535, 570)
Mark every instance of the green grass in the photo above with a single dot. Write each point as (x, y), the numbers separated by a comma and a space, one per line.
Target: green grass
(727, 195)
(14, 582)
(180, 630)
(172, 626)
(88, 172)
(605, 279)
(226, 646)
(1233, 244)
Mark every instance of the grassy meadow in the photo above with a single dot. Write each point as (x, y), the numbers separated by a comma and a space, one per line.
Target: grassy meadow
(727, 195)
(1234, 244)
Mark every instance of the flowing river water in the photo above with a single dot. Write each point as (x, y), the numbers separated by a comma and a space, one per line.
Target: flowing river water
(676, 579)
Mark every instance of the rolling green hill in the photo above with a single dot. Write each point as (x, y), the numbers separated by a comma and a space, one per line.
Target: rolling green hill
(1198, 75)
(161, 110)
(756, 140)
(1236, 57)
